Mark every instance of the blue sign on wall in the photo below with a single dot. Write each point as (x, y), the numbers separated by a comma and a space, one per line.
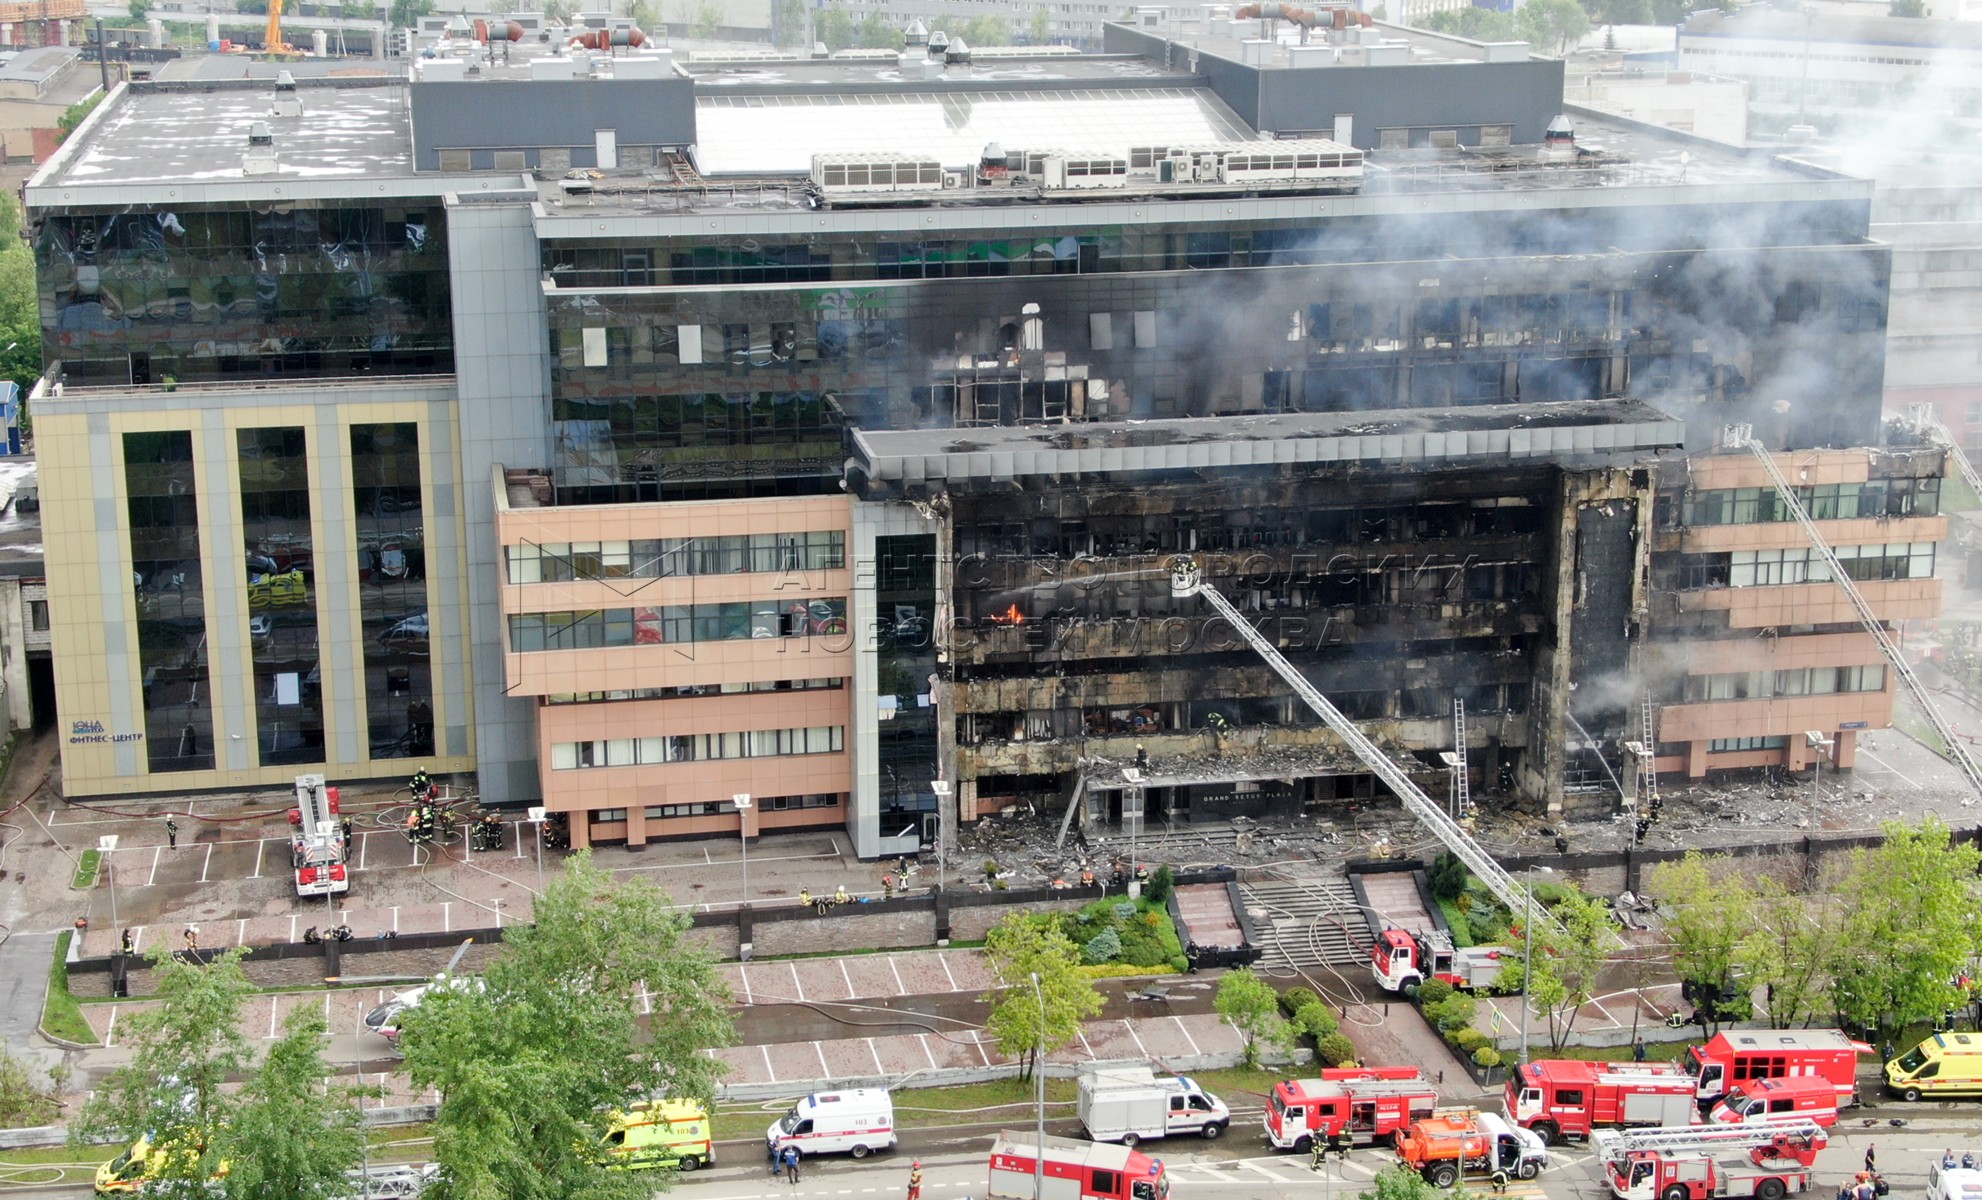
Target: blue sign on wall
(10, 414)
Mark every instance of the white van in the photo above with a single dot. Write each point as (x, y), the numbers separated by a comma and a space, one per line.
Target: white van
(854, 1122)
(1953, 1183)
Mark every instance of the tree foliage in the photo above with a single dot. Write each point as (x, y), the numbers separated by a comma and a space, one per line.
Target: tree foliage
(834, 27)
(294, 1133)
(1790, 954)
(1016, 948)
(23, 1102)
(1711, 921)
(526, 1063)
(20, 316)
(183, 1051)
(1399, 1182)
(1911, 928)
(708, 20)
(1569, 953)
(788, 16)
(1250, 1005)
(1552, 26)
(1479, 24)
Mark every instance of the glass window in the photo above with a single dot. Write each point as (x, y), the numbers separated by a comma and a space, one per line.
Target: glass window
(160, 481)
(390, 534)
(280, 580)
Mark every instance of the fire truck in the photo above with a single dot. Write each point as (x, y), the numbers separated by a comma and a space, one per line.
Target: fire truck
(1074, 1170)
(1361, 1105)
(1736, 1056)
(317, 849)
(1560, 1098)
(1402, 961)
(1452, 1141)
(1766, 1162)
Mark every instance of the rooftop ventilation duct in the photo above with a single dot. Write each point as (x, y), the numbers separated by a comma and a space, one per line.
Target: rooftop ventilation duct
(957, 53)
(260, 158)
(917, 35)
(938, 43)
(287, 102)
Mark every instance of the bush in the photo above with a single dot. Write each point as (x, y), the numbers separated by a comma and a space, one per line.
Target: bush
(990, 867)
(1335, 1051)
(1102, 947)
(1469, 1039)
(1316, 1020)
(1118, 970)
(1180, 963)
(1447, 876)
(1487, 1056)
(1433, 992)
(1294, 999)
(1123, 910)
(1162, 881)
(1453, 1013)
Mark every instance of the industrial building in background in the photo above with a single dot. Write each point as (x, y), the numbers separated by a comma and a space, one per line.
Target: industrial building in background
(700, 446)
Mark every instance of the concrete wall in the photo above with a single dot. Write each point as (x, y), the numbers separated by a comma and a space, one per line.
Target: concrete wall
(555, 113)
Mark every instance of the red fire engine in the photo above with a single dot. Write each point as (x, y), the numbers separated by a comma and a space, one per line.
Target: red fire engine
(1361, 1104)
(1402, 961)
(1559, 1098)
(1074, 1170)
(1768, 1163)
(1739, 1055)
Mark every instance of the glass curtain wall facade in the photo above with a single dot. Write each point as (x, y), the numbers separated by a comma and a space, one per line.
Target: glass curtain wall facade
(315, 288)
(171, 590)
(905, 599)
(392, 589)
(282, 599)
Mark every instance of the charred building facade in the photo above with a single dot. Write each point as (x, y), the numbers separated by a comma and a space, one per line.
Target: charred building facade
(800, 434)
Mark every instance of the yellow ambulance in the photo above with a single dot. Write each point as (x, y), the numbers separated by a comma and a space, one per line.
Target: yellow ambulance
(143, 1163)
(1945, 1065)
(664, 1133)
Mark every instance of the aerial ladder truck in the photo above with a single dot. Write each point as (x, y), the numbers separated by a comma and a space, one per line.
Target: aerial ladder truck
(1767, 1162)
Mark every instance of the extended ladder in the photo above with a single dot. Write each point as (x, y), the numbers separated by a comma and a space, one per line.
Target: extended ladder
(1462, 782)
(1648, 772)
(1741, 437)
(1611, 1143)
(1187, 580)
(1922, 417)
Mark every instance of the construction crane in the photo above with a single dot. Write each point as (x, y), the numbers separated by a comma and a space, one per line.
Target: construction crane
(1741, 437)
(272, 42)
(1187, 579)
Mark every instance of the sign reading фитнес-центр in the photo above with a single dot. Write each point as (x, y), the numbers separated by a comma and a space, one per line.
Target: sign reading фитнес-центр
(93, 733)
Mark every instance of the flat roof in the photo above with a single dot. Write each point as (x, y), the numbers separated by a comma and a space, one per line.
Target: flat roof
(37, 65)
(759, 135)
(982, 70)
(197, 133)
(1497, 433)
(1762, 22)
(1425, 46)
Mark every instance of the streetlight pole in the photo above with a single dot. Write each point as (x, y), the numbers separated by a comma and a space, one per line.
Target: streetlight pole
(537, 816)
(1132, 801)
(1527, 958)
(1039, 1072)
(105, 845)
(742, 802)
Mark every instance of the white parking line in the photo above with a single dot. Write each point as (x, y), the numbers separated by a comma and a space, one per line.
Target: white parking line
(241, 932)
(208, 864)
(261, 844)
(1131, 1027)
(901, 989)
(395, 918)
(274, 1007)
(110, 1030)
(155, 852)
(878, 1068)
(768, 1069)
(945, 960)
(848, 978)
(1888, 766)
(364, 844)
(743, 972)
(447, 916)
(519, 837)
(1185, 1030)
(924, 1039)
(795, 983)
(825, 1072)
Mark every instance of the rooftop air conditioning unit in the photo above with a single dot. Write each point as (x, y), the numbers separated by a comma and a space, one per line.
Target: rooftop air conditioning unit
(260, 158)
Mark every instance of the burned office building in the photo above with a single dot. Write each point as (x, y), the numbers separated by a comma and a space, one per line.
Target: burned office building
(792, 435)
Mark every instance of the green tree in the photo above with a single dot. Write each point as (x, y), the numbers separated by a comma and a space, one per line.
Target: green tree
(1039, 26)
(23, 1101)
(835, 28)
(20, 316)
(708, 20)
(1017, 948)
(1791, 950)
(788, 17)
(1569, 953)
(553, 1035)
(1711, 923)
(1911, 929)
(876, 32)
(1447, 876)
(182, 1053)
(1479, 24)
(294, 1133)
(1552, 26)
(1399, 1182)
(405, 14)
(646, 14)
(1249, 1004)
(138, 9)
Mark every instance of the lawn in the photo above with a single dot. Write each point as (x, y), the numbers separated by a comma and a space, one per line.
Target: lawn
(86, 870)
(61, 1016)
(1654, 1051)
(1462, 929)
(1143, 934)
